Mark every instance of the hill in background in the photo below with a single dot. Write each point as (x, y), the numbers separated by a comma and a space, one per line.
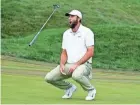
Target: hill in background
(20, 17)
(116, 25)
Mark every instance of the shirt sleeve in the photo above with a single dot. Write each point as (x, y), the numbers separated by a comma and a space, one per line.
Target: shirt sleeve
(89, 38)
(64, 42)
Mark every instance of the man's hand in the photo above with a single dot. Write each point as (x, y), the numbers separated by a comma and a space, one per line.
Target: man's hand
(62, 69)
(73, 68)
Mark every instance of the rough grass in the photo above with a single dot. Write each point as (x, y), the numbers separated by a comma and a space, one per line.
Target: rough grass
(116, 47)
(20, 17)
(116, 25)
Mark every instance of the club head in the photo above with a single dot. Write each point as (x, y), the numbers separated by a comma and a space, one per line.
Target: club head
(56, 6)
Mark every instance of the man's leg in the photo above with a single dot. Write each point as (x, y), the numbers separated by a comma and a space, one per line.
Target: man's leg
(55, 78)
(81, 75)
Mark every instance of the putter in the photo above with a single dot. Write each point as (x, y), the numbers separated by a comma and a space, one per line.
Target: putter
(35, 37)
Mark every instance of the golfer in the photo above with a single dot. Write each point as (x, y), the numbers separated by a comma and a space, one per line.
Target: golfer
(76, 58)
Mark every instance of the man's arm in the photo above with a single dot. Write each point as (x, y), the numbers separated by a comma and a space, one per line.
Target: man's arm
(89, 41)
(63, 61)
(85, 58)
(63, 58)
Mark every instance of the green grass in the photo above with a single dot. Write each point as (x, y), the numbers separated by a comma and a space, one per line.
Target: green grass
(26, 16)
(112, 87)
(116, 25)
(116, 47)
(34, 90)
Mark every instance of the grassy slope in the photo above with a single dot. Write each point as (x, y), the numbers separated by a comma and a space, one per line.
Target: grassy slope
(21, 17)
(113, 50)
(112, 87)
(116, 25)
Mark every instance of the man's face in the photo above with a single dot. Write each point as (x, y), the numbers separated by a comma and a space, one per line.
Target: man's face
(73, 21)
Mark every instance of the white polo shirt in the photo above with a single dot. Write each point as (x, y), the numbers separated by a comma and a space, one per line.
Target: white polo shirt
(76, 43)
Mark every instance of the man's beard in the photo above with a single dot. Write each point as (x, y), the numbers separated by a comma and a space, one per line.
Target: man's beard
(72, 25)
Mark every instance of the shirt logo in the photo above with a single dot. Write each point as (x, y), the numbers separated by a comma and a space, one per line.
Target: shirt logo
(79, 36)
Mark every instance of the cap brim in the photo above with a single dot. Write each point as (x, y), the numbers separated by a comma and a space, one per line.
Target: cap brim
(67, 14)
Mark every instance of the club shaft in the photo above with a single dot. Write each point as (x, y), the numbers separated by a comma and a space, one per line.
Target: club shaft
(35, 37)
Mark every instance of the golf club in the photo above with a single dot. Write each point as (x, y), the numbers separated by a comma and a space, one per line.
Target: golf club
(35, 37)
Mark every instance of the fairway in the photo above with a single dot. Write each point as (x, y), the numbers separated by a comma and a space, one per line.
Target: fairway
(23, 83)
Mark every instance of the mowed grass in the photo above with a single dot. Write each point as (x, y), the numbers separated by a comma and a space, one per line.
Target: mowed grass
(18, 89)
(112, 87)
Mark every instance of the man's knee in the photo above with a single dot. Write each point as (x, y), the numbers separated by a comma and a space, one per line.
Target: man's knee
(52, 75)
(48, 78)
(76, 76)
(79, 73)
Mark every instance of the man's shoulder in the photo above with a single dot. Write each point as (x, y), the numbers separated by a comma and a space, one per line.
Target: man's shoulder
(67, 31)
(84, 28)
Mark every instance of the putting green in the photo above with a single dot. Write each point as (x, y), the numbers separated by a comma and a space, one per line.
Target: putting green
(27, 86)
